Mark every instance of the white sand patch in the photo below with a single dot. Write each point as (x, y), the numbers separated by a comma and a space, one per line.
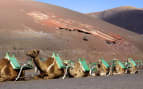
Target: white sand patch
(31, 33)
(38, 15)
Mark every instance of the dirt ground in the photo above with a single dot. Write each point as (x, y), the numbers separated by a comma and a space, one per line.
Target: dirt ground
(126, 81)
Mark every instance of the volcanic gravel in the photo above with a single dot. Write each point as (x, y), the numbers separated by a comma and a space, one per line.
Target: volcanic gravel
(126, 81)
(21, 30)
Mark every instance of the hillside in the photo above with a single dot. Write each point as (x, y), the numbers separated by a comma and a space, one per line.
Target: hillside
(27, 24)
(128, 17)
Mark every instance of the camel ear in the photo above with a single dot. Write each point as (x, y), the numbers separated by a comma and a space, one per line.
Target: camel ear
(38, 51)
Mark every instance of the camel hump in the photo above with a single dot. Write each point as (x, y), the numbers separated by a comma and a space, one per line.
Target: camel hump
(49, 61)
(4, 61)
(58, 60)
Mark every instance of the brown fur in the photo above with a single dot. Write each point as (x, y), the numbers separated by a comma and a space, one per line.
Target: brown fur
(132, 69)
(7, 73)
(77, 71)
(43, 66)
(101, 69)
(117, 69)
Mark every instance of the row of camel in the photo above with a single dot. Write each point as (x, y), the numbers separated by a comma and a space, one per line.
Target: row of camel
(49, 69)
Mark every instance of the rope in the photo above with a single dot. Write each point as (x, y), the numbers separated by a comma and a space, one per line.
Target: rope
(82, 67)
(65, 74)
(51, 65)
(36, 69)
(20, 72)
(90, 72)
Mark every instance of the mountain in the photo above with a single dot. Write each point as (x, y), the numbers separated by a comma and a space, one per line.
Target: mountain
(127, 17)
(27, 24)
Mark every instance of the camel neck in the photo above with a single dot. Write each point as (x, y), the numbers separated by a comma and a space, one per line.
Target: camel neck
(38, 63)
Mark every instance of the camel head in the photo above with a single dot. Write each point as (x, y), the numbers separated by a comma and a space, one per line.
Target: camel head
(33, 53)
(118, 67)
(102, 68)
(77, 71)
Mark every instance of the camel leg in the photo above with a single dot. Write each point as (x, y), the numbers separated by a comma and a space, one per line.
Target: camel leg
(132, 70)
(66, 72)
(2, 79)
(40, 76)
(110, 71)
(36, 77)
(50, 76)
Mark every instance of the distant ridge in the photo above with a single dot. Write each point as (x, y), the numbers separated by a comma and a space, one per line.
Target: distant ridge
(127, 17)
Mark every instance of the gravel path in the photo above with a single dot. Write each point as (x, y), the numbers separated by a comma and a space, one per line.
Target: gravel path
(111, 82)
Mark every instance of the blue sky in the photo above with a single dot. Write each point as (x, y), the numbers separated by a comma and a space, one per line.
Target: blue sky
(87, 6)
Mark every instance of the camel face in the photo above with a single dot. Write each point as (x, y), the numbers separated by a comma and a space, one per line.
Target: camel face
(118, 67)
(131, 67)
(132, 70)
(118, 70)
(101, 70)
(77, 71)
(33, 53)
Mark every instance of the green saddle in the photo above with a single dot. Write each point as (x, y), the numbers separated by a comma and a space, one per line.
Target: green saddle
(58, 61)
(132, 61)
(115, 62)
(93, 69)
(105, 63)
(15, 64)
(84, 65)
(121, 64)
(139, 62)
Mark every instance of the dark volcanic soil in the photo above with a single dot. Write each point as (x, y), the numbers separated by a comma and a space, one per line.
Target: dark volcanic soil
(110, 82)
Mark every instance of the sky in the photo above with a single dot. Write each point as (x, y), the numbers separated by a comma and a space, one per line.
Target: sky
(88, 6)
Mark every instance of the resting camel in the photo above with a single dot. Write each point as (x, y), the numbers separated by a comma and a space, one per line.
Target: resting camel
(117, 67)
(102, 70)
(7, 73)
(76, 71)
(131, 67)
(48, 68)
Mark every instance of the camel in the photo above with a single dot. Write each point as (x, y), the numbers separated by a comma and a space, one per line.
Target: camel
(117, 67)
(102, 68)
(48, 68)
(131, 66)
(76, 71)
(7, 73)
